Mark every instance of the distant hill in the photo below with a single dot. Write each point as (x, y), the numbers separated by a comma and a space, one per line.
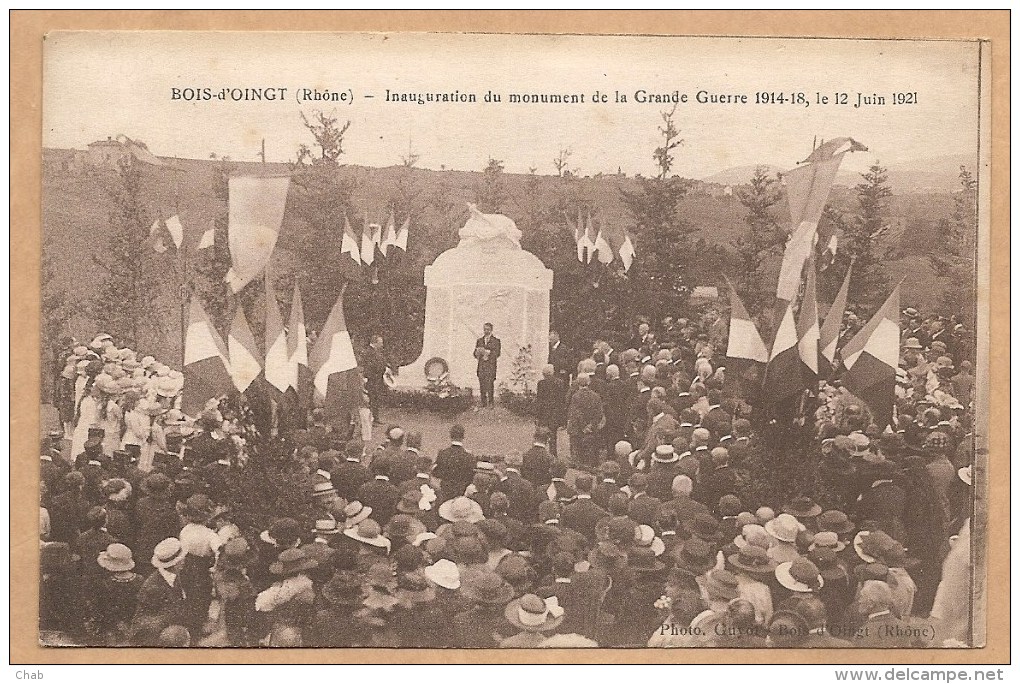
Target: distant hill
(934, 174)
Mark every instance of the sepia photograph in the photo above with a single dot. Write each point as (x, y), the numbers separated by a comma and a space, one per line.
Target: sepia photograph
(486, 341)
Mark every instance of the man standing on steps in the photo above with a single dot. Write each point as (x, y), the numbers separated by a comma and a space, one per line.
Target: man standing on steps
(487, 350)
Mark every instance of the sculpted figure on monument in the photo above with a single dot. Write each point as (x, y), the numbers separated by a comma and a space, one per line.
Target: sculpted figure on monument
(489, 231)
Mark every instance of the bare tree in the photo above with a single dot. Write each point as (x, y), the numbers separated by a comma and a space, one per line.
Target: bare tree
(561, 160)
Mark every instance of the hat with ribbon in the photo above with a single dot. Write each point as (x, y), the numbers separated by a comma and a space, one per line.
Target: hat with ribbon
(827, 540)
(405, 527)
(642, 559)
(488, 587)
(802, 507)
(326, 527)
(834, 521)
(368, 532)
(752, 559)
(800, 575)
(356, 512)
(664, 453)
(696, 556)
(531, 613)
(871, 546)
(168, 553)
(292, 561)
(721, 584)
(323, 488)
(913, 343)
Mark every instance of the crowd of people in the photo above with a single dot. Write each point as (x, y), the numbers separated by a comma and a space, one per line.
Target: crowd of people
(647, 533)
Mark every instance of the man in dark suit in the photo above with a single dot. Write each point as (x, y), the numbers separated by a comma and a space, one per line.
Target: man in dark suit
(520, 492)
(487, 350)
(348, 477)
(380, 494)
(643, 508)
(561, 358)
(585, 420)
(583, 514)
(720, 481)
(717, 420)
(455, 465)
(161, 600)
(375, 372)
(538, 459)
(551, 404)
(616, 398)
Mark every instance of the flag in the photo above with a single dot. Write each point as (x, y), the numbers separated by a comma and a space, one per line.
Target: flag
(349, 242)
(206, 368)
(829, 253)
(605, 252)
(590, 237)
(745, 341)
(871, 358)
(369, 239)
(627, 253)
(208, 239)
(581, 237)
(828, 150)
(807, 191)
(255, 216)
(389, 235)
(242, 352)
(335, 368)
(783, 378)
(401, 241)
(828, 335)
(278, 361)
(176, 230)
(297, 351)
(807, 327)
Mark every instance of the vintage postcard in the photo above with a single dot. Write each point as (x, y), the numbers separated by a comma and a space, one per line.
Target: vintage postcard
(481, 341)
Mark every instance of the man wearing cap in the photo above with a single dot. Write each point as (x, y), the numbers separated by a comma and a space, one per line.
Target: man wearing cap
(380, 494)
(348, 477)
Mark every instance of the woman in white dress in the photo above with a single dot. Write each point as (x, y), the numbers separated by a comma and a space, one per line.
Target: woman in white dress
(141, 428)
(110, 414)
(88, 417)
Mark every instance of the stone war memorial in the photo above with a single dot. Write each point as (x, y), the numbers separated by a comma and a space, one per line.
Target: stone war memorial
(486, 278)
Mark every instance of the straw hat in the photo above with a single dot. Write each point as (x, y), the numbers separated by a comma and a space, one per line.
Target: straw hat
(168, 553)
(368, 532)
(291, 561)
(784, 527)
(355, 513)
(444, 573)
(531, 613)
(116, 558)
(800, 575)
(461, 508)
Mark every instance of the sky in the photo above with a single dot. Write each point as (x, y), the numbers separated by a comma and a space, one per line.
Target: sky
(103, 84)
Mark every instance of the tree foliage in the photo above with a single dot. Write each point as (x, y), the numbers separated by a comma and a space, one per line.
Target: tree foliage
(863, 235)
(763, 239)
(663, 247)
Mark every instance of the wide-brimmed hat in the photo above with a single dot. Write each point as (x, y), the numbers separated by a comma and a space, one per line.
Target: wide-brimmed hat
(642, 559)
(282, 532)
(157, 483)
(696, 556)
(168, 553)
(444, 573)
(355, 513)
(413, 588)
(116, 558)
(344, 588)
(827, 540)
(799, 575)
(912, 343)
(828, 565)
(870, 546)
(705, 527)
(291, 561)
(488, 587)
(199, 507)
(531, 613)
(409, 502)
(754, 535)
(802, 507)
(896, 557)
(752, 559)
(835, 521)
(461, 508)
(403, 526)
(784, 527)
(871, 571)
(368, 532)
(722, 584)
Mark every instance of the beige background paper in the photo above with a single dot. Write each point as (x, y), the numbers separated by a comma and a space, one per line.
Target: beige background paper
(29, 121)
